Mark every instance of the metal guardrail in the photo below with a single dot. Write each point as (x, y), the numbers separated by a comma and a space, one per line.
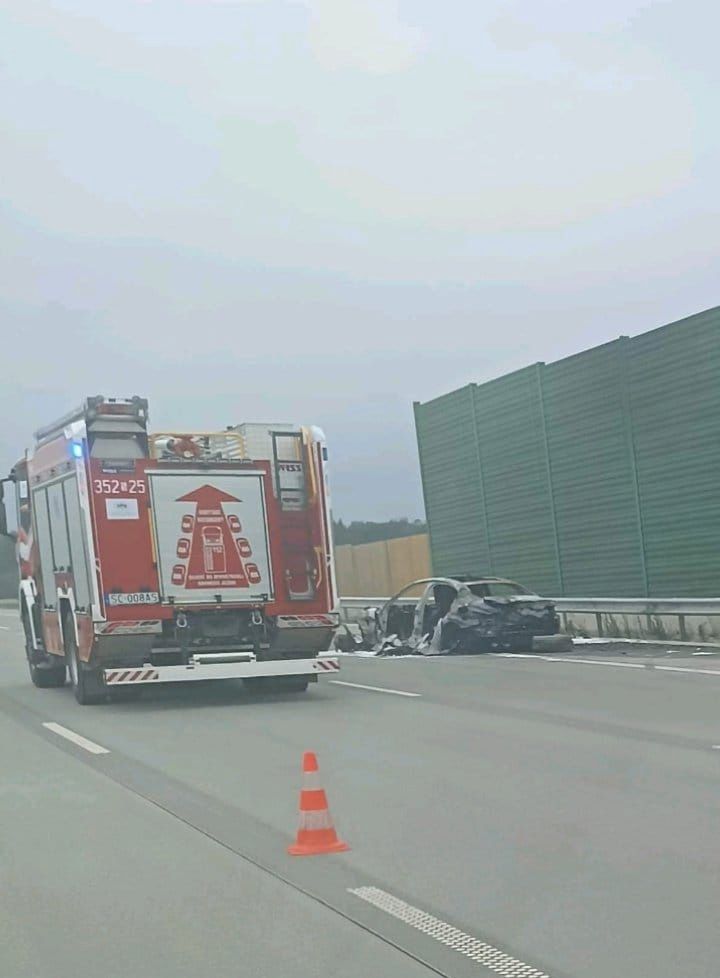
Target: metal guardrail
(639, 606)
(694, 620)
(609, 606)
(594, 606)
(371, 602)
(604, 606)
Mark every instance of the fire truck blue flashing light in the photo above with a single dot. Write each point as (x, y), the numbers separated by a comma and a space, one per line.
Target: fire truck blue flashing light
(77, 449)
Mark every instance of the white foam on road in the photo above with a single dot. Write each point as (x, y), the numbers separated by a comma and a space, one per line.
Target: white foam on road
(472, 947)
(90, 746)
(373, 689)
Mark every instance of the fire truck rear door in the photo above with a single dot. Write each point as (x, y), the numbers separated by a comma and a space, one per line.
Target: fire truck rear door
(211, 535)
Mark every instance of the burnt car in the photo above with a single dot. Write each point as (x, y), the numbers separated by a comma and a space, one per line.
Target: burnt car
(444, 615)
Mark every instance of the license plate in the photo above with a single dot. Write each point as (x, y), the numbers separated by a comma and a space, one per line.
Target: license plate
(136, 597)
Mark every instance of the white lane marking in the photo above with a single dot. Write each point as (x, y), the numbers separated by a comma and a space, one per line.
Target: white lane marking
(555, 658)
(83, 742)
(617, 665)
(716, 746)
(701, 672)
(374, 689)
(479, 951)
(5, 628)
(599, 662)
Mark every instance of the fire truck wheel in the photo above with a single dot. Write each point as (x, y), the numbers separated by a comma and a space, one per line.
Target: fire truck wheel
(86, 683)
(47, 677)
(48, 674)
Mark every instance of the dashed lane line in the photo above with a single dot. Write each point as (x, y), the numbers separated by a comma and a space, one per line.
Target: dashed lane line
(373, 689)
(90, 746)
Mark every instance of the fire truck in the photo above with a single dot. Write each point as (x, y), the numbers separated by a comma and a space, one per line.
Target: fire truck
(173, 557)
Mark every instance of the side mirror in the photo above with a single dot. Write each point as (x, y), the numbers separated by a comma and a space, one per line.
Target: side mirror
(3, 511)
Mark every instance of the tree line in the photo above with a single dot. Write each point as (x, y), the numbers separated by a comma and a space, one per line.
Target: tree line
(361, 531)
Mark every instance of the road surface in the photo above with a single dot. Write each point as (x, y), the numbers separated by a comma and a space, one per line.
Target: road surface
(515, 816)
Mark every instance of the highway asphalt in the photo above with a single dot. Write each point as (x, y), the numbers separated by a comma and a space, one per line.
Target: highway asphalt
(542, 817)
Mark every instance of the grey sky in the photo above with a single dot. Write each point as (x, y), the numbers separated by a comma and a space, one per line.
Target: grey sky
(322, 210)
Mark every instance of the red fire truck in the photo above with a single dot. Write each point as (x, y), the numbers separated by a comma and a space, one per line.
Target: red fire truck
(173, 557)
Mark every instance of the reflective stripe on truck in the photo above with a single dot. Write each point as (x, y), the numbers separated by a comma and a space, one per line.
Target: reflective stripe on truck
(206, 669)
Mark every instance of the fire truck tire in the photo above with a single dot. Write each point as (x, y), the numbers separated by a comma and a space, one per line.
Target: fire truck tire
(86, 683)
(45, 675)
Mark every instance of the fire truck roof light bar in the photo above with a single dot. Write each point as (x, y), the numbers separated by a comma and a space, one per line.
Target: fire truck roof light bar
(93, 408)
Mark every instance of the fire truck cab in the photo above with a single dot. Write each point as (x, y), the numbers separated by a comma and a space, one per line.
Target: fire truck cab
(173, 557)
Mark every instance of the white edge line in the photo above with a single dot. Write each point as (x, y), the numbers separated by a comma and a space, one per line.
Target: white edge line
(374, 689)
(75, 738)
(582, 662)
(598, 662)
(702, 672)
(617, 665)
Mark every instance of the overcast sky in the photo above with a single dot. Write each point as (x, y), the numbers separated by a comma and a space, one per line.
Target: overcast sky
(322, 210)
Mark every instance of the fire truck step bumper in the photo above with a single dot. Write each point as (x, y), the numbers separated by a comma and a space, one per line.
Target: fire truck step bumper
(197, 671)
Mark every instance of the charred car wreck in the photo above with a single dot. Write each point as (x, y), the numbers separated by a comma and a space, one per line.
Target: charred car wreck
(442, 616)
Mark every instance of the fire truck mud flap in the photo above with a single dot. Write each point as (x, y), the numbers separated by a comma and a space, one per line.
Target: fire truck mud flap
(201, 671)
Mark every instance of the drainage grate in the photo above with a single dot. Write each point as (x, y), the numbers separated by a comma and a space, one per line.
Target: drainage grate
(481, 952)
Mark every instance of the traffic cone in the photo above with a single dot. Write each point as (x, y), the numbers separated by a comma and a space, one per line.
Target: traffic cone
(316, 833)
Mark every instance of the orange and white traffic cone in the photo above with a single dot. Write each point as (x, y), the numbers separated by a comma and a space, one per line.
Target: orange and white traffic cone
(316, 834)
